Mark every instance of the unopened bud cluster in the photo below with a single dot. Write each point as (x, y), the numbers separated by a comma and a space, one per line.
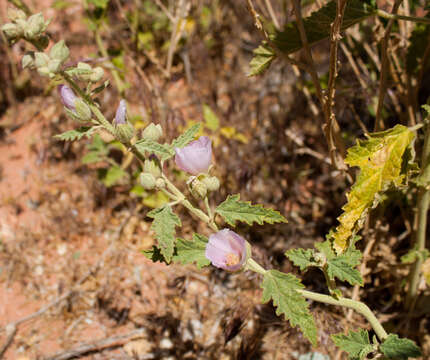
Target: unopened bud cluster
(124, 131)
(151, 176)
(86, 72)
(47, 64)
(31, 28)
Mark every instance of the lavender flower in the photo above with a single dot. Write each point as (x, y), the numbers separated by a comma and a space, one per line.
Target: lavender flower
(121, 114)
(195, 158)
(227, 250)
(68, 97)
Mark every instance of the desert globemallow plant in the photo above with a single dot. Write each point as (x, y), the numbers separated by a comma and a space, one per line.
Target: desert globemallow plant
(381, 158)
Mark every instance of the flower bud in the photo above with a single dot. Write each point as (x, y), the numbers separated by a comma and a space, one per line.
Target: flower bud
(198, 189)
(196, 157)
(15, 14)
(152, 132)
(67, 97)
(124, 132)
(227, 250)
(54, 65)
(97, 74)
(82, 110)
(12, 31)
(35, 26)
(41, 59)
(121, 113)
(59, 52)
(147, 180)
(152, 166)
(44, 71)
(211, 182)
(28, 61)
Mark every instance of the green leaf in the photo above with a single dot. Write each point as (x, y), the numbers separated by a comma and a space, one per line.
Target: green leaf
(76, 134)
(342, 267)
(91, 157)
(318, 25)
(186, 137)
(400, 349)
(282, 290)
(113, 175)
(99, 3)
(188, 252)
(419, 43)
(301, 258)
(414, 254)
(356, 344)
(165, 221)
(212, 121)
(233, 210)
(154, 254)
(163, 150)
(380, 159)
(263, 57)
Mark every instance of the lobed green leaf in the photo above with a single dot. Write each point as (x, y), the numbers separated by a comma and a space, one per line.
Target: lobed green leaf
(76, 134)
(342, 268)
(164, 224)
(302, 258)
(164, 151)
(400, 349)
(282, 289)
(188, 252)
(263, 57)
(232, 210)
(186, 137)
(355, 343)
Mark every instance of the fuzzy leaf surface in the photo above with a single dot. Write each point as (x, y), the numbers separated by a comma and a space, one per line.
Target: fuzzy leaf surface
(163, 151)
(380, 159)
(263, 57)
(355, 343)
(188, 252)
(342, 268)
(400, 349)
(282, 289)
(164, 224)
(301, 258)
(232, 210)
(186, 137)
(76, 134)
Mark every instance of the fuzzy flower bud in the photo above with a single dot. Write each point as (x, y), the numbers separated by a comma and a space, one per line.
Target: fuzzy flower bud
(124, 131)
(82, 110)
(152, 132)
(196, 157)
(67, 96)
(59, 52)
(211, 182)
(15, 14)
(28, 61)
(152, 166)
(147, 180)
(36, 25)
(12, 31)
(227, 250)
(97, 74)
(41, 59)
(198, 189)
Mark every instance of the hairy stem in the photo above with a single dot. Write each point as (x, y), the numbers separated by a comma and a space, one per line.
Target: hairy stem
(421, 219)
(416, 19)
(358, 306)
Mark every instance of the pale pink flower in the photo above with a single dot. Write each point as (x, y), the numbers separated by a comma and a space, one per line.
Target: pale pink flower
(196, 157)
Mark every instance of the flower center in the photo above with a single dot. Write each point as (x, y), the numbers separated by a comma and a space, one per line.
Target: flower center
(232, 259)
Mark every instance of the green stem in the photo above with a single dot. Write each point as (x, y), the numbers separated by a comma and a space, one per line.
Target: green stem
(386, 15)
(197, 212)
(358, 306)
(421, 220)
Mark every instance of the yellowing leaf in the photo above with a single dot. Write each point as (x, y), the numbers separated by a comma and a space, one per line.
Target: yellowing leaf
(231, 133)
(380, 160)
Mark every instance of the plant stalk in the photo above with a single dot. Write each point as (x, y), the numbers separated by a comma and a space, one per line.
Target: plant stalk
(389, 16)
